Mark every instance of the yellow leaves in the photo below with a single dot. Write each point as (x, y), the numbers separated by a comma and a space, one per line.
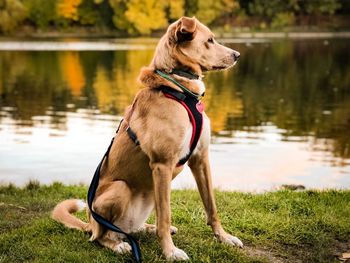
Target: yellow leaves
(210, 10)
(146, 15)
(176, 9)
(139, 16)
(68, 9)
(230, 5)
(12, 12)
(72, 72)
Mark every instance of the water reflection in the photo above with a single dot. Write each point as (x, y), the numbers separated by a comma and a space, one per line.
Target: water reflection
(281, 116)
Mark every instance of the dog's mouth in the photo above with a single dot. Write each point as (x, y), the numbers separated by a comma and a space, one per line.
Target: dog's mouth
(220, 67)
(224, 66)
(214, 68)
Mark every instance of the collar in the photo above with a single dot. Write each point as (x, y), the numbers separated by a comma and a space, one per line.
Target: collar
(185, 74)
(182, 87)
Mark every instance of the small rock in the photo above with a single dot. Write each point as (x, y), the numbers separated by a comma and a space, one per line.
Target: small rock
(293, 187)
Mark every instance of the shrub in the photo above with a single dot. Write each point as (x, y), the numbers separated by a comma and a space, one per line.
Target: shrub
(283, 19)
(12, 13)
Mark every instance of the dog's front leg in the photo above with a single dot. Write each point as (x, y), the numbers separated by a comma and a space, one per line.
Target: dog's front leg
(162, 176)
(200, 168)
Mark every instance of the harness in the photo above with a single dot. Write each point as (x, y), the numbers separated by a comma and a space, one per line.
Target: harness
(194, 107)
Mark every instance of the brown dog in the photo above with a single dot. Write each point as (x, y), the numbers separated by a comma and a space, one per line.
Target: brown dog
(135, 179)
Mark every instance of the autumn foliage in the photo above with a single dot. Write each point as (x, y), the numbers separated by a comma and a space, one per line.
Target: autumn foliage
(142, 17)
(68, 9)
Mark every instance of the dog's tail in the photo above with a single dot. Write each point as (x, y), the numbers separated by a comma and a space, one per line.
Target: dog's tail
(63, 213)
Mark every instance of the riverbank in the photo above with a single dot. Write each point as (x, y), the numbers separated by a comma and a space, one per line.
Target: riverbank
(245, 34)
(63, 42)
(282, 226)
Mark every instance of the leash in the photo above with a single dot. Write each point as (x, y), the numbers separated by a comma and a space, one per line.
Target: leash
(136, 251)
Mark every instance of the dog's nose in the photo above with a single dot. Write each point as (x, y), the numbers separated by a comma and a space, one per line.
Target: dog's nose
(236, 55)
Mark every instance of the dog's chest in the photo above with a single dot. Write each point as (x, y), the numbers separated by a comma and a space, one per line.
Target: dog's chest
(200, 84)
(185, 146)
(203, 141)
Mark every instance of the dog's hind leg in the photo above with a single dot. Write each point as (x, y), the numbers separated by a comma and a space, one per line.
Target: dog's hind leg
(149, 228)
(114, 242)
(111, 204)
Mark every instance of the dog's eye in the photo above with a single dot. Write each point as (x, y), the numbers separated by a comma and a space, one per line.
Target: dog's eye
(211, 40)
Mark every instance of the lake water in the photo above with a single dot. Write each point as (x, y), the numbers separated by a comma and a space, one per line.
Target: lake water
(281, 116)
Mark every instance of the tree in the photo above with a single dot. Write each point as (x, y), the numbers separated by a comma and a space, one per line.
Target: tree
(41, 12)
(12, 13)
(191, 7)
(176, 9)
(68, 9)
(210, 10)
(267, 9)
(143, 16)
(120, 21)
(88, 15)
(146, 15)
(320, 7)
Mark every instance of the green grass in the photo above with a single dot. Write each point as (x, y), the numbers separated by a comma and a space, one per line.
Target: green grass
(283, 226)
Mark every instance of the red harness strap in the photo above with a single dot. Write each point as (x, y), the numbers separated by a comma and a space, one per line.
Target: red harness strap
(194, 108)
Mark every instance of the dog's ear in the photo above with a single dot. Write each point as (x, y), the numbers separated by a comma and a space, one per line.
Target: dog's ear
(185, 29)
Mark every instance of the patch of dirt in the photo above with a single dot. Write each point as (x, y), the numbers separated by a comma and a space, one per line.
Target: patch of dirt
(267, 254)
(340, 248)
(338, 251)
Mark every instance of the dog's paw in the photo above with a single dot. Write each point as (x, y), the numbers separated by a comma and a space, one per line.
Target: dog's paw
(177, 254)
(122, 248)
(230, 240)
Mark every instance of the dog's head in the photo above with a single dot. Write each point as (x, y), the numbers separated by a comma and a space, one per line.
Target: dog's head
(190, 44)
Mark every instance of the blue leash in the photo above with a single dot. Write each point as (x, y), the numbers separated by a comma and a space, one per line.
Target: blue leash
(136, 251)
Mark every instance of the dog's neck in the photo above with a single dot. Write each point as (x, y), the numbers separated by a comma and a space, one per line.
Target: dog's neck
(151, 79)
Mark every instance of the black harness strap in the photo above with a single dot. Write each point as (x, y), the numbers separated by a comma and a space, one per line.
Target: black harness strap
(194, 109)
(101, 220)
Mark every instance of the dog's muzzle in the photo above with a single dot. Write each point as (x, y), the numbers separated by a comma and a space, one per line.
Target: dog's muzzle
(236, 55)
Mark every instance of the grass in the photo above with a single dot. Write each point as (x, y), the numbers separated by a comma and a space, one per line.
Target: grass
(283, 226)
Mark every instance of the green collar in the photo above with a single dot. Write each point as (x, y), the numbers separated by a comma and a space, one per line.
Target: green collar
(183, 88)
